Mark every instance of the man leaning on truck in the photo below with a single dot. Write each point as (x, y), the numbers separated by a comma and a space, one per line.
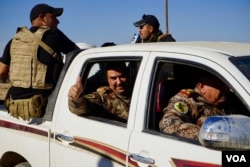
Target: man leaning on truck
(32, 61)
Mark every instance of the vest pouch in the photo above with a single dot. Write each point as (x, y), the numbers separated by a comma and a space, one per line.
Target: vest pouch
(26, 108)
(21, 71)
(4, 88)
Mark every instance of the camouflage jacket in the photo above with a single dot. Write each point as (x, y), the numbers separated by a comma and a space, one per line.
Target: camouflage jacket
(103, 100)
(185, 114)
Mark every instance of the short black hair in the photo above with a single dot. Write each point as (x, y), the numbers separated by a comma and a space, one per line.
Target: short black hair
(210, 79)
(116, 65)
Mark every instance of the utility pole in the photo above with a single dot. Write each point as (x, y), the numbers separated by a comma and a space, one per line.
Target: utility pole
(166, 12)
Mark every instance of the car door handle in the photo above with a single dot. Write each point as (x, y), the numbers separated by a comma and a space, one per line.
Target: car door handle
(65, 139)
(142, 159)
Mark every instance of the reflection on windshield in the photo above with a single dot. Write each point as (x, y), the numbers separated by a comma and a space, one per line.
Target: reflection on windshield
(243, 64)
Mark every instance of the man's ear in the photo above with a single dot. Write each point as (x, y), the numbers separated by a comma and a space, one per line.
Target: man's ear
(201, 87)
(151, 28)
(42, 16)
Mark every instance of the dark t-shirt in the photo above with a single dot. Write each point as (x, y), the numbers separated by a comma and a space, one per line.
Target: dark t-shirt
(59, 42)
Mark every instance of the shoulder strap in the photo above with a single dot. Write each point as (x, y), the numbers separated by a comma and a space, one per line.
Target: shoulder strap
(42, 44)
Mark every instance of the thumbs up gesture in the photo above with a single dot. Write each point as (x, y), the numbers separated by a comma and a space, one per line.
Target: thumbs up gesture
(75, 90)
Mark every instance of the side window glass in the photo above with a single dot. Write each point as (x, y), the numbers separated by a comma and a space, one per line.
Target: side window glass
(177, 90)
(107, 90)
(169, 79)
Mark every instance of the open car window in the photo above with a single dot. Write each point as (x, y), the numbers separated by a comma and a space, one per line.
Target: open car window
(94, 77)
(168, 79)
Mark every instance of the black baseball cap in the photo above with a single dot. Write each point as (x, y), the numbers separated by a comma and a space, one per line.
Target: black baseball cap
(44, 8)
(148, 19)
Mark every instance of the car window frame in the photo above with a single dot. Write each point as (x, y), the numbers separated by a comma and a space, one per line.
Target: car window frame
(84, 74)
(151, 94)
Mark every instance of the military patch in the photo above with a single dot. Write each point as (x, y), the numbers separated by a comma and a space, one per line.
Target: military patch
(181, 107)
(103, 89)
(186, 92)
(89, 96)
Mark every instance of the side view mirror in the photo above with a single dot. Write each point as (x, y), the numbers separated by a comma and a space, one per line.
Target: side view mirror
(230, 132)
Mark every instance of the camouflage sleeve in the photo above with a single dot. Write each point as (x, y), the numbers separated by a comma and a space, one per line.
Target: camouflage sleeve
(103, 97)
(83, 104)
(177, 119)
(110, 102)
(78, 106)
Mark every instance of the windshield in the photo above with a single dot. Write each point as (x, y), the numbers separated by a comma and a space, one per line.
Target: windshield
(243, 64)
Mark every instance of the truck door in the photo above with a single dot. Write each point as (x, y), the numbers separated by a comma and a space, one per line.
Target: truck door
(90, 140)
(150, 147)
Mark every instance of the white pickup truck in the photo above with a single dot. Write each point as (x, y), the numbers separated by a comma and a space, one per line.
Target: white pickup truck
(61, 138)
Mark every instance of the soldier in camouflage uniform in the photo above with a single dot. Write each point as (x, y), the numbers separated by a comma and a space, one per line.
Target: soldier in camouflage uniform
(188, 109)
(114, 100)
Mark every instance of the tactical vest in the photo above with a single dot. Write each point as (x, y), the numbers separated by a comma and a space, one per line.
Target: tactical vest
(25, 69)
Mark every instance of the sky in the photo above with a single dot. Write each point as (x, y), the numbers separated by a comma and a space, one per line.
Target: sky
(97, 21)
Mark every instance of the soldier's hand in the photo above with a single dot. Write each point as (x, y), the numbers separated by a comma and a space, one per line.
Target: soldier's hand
(76, 90)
